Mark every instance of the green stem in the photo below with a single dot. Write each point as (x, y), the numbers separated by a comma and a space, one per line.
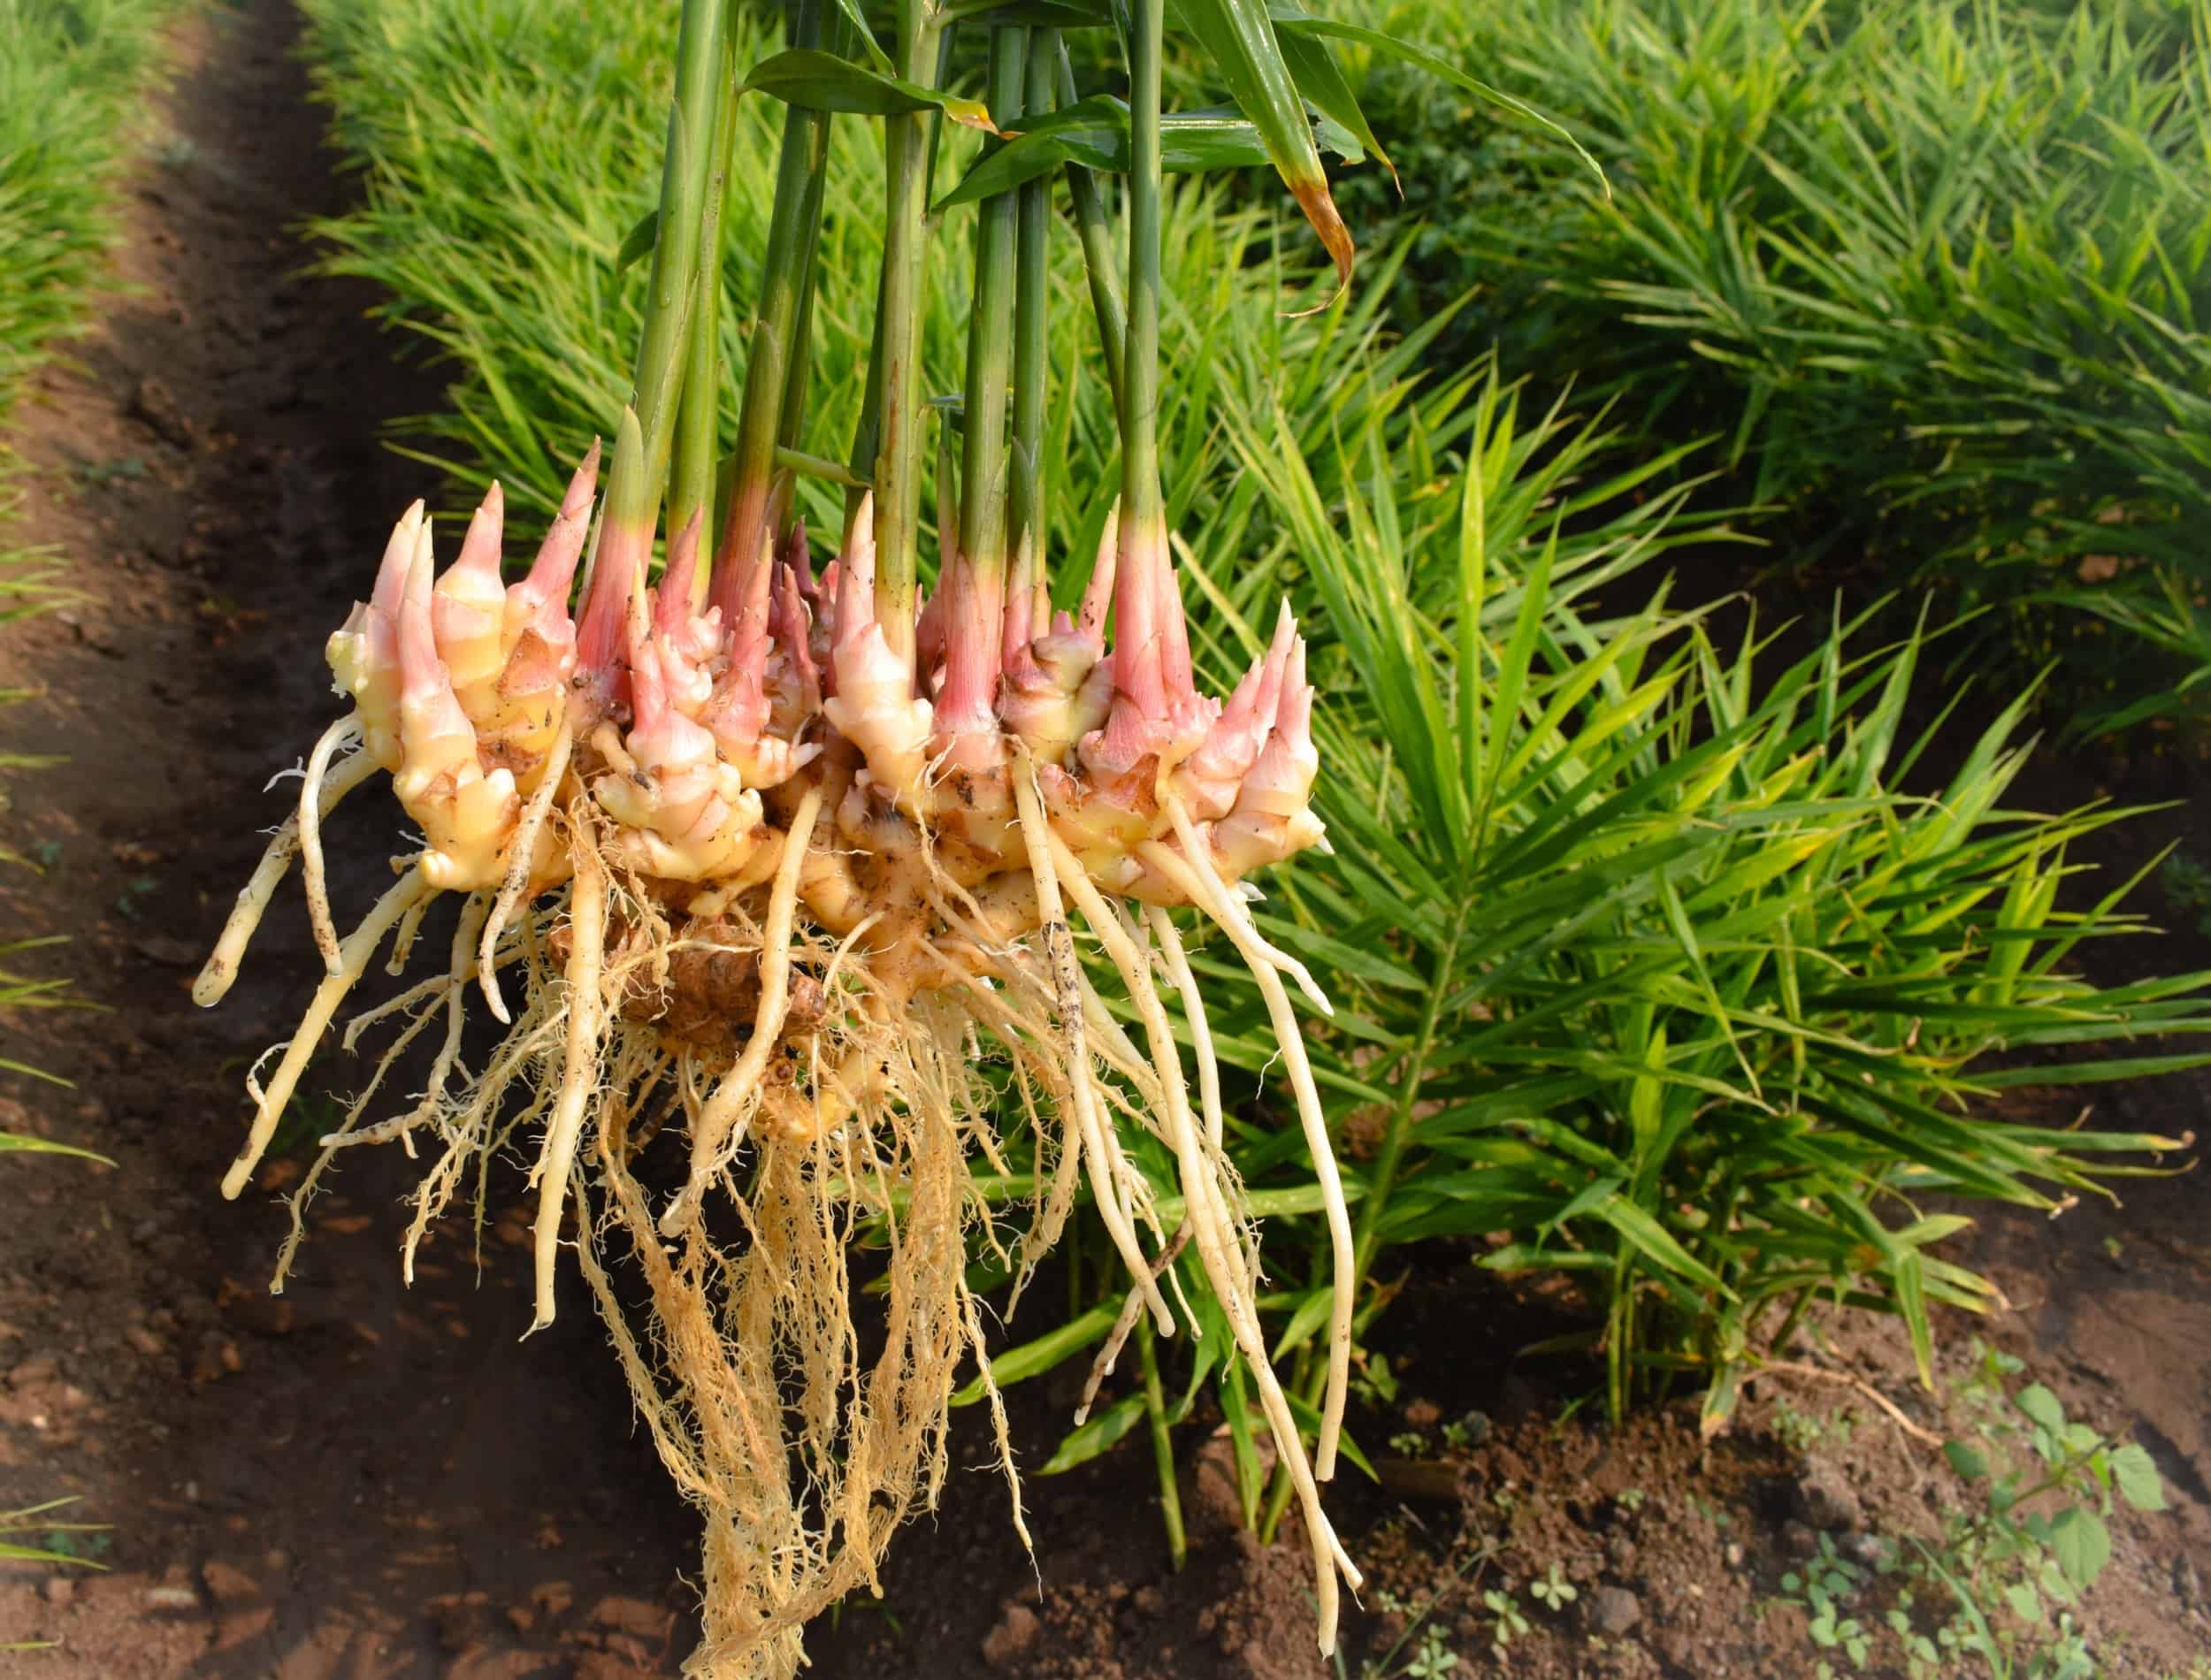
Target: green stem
(1162, 1445)
(990, 337)
(1025, 491)
(697, 414)
(1141, 501)
(1366, 1237)
(791, 423)
(700, 85)
(1095, 227)
(868, 430)
(769, 359)
(898, 471)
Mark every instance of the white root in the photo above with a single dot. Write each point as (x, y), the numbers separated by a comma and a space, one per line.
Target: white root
(404, 941)
(1221, 1254)
(716, 1131)
(455, 984)
(1045, 855)
(405, 1004)
(1206, 889)
(1117, 1339)
(1201, 1036)
(579, 1066)
(1000, 1427)
(521, 850)
(1197, 857)
(470, 1135)
(221, 969)
(354, 956)
(344, 733)
(347, 1133)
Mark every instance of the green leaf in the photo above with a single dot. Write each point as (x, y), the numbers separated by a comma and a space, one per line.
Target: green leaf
(1657, 1243)
(1966, 1460)
(1093, 133)
(2042, 1406)
(1081, 1446)
(1319, 77)
(1720, 1400)
(822, 82)
(1033, 1358)
(1239, 37)
(1050, 14)
(2025, 1602)
(2138, 1482)
(2082, 1545)
(18, 1143)
(855, 16)
(1295, 21)
(1311, 1313)
(638, 242)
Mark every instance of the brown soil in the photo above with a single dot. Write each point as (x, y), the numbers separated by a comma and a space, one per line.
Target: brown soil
(358, 1480)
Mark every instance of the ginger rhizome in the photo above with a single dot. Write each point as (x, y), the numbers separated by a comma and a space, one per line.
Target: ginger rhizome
(772, 880)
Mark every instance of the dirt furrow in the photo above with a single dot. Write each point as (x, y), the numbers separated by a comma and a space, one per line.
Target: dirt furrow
(350, 1478)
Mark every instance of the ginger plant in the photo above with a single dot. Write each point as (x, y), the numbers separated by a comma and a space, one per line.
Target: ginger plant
(755, 867)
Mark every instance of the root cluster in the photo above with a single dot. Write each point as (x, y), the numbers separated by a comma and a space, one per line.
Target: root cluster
(771, 919)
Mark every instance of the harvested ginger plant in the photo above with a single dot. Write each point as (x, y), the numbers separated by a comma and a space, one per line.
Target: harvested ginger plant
(759, 869)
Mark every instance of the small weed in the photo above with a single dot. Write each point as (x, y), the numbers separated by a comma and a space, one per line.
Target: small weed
(2187, 882)
(97, 475)
(1555, 1592)
(1409, 1443)
(1825, 1587)
(2010, 1566)
(1434, 1657)
(78, 1542)
(135, 890)
(1631, 1500)
(1805, 1431)
(1373, 1382)
(1469, 1431)
(1512, 1623)
(307, 1118)
(82, 1544)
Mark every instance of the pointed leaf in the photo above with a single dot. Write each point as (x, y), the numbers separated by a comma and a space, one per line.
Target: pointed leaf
(1295, 21)
(640, 241)
(16, 1142)
(1239, 36)
(1033, 1358)
(1319, 77)
(822, 82)
(1081, 1446)
(1093, 133)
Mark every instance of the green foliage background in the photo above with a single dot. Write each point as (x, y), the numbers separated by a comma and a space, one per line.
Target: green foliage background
(1653, 964)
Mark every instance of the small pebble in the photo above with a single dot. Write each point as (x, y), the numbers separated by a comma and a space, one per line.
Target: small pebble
(1613, 1610)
